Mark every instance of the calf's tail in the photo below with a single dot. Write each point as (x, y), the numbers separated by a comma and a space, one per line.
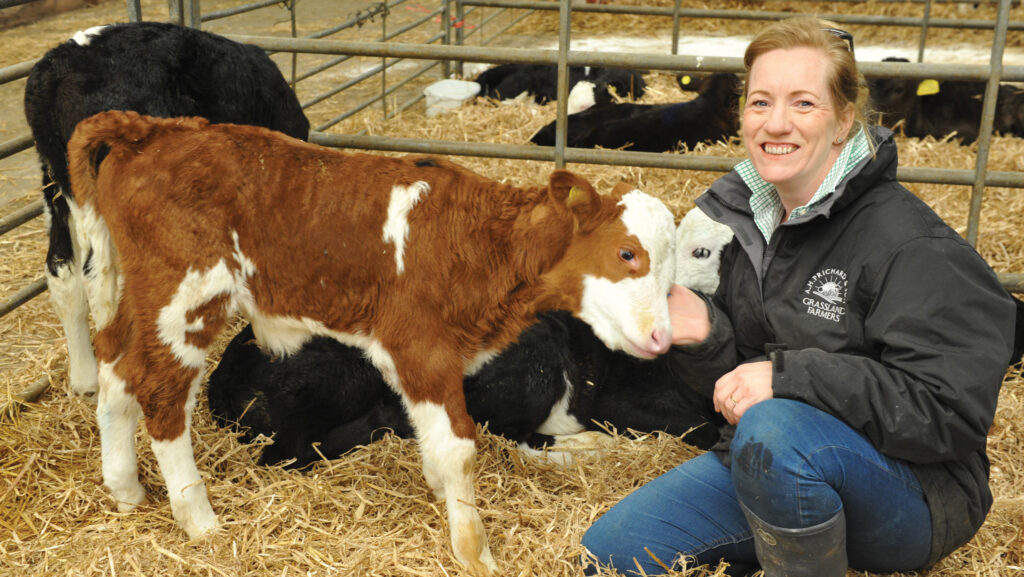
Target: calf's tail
(109, 131)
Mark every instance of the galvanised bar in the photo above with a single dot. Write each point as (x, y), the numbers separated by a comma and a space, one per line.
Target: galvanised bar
(359, 18)
(500, 31)
(217, 15)
(12, 3)
(698, 13)
(925, 21)
(34, 289)
(370, 101)
(336, 61)
(16, 71)
(1006, 179)
(412, 101)
(562, 87)
(988, 112)
(29, 395)
(339, 60)
(134, 10)
(352, 82)
(20, 217)
(1014, 282)
(16, 145)
(650, 61)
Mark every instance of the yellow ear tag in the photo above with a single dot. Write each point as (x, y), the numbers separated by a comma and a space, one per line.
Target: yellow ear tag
(928, 87)
(686, 79)
(574, 195)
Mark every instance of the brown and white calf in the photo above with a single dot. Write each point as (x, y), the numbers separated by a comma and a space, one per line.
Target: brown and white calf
(426, 266)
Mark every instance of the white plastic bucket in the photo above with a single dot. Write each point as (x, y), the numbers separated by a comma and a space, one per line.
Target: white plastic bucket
(445, 95)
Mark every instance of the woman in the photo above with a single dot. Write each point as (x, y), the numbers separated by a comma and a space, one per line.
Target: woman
(856, 342)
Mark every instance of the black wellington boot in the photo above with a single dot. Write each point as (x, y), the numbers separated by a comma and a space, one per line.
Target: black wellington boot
(818, 551)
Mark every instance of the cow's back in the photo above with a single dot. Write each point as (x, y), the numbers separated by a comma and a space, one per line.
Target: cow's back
(346, 235)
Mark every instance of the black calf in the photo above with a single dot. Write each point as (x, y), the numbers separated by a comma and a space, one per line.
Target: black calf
(540, 81)
(933, 108)
(557, 379)
(710, 117)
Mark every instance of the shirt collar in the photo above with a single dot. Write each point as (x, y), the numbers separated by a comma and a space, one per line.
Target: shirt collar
(764, 198)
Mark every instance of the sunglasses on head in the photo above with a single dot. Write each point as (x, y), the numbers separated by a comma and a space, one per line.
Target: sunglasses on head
(842, 35)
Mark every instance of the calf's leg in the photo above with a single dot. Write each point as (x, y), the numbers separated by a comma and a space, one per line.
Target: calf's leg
(186, 490)
(64, 261)
(430, 384)
(448, 461)
(118, 414)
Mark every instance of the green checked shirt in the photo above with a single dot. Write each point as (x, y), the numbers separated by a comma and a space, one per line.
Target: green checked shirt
(765, 201)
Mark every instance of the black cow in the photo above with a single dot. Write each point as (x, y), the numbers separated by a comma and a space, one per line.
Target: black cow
(153, 68)
(710, 117)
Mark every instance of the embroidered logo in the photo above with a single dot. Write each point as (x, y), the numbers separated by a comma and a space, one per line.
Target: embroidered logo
(825, 294)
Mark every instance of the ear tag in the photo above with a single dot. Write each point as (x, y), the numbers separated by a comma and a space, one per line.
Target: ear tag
(928, 87)
(686, 79)
(575, 194)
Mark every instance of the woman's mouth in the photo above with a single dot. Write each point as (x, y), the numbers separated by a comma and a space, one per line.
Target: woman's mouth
(779, 149)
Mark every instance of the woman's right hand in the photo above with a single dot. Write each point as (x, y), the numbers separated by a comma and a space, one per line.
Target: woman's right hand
(691, 323)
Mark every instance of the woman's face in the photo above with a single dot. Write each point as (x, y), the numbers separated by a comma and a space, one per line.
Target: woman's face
(790, 122)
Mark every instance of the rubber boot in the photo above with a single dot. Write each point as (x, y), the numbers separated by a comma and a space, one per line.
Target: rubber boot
(818, 551)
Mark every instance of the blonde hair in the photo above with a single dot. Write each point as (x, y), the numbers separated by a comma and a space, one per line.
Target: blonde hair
(846, 85)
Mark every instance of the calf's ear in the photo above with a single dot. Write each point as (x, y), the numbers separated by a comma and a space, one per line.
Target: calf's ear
(622, 189)
(575, 192)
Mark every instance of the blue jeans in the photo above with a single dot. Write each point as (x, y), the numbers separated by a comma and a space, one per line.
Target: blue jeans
(792, 465)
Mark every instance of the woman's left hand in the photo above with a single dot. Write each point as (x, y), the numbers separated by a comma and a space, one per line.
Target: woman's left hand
(742, 388)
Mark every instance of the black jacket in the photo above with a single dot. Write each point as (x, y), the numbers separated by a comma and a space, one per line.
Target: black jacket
(882, 316)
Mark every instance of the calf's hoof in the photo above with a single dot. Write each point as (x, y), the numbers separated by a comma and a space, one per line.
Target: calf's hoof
(201, 528)
(87, 390)
(129, 498)
(470, 544)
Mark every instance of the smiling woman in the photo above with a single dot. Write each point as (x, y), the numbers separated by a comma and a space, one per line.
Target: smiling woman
(792, 128)
(856, 344)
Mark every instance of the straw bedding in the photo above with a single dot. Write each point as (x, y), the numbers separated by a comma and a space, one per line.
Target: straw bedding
(370, 513)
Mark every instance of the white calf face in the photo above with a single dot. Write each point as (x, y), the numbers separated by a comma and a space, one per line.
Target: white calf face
(699, 244)
(581, 97)
(632, 314)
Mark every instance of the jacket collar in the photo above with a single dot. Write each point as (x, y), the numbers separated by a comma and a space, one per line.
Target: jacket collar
(729, 195)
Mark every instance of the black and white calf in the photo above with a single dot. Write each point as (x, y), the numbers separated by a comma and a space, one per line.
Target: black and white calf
(154, 68)
(710, 117)
(587, 85)
(557, 380)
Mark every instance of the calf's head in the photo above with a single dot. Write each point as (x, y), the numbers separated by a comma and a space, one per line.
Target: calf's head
(893, 98)
(619, 266)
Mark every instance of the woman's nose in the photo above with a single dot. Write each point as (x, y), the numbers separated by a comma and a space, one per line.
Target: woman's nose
(778, 120)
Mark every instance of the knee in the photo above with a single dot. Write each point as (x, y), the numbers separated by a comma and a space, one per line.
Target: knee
(769, 442)
(769, 422)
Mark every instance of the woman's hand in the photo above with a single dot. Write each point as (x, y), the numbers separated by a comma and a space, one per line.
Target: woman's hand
(742, 388)
(691, 323)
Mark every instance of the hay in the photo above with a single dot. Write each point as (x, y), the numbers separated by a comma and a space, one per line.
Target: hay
(370, 512)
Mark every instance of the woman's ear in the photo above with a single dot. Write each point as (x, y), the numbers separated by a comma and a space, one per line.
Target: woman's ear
(846, 119)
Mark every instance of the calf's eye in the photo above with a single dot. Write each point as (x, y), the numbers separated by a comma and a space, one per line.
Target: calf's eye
(626, 254)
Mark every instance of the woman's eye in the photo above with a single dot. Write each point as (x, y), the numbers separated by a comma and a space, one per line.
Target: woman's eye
(626, 254)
